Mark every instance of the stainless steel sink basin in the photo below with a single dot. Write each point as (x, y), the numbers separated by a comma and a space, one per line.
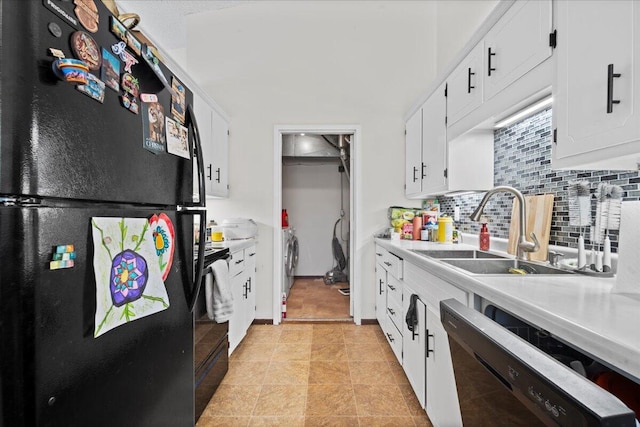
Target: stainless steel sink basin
(465, 254)
(502, 266)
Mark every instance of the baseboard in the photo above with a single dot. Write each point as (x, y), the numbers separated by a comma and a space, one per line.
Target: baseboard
(307, 277)
(262, 322)
(369, 321)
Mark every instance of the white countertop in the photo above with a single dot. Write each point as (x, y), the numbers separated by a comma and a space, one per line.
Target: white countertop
(233, 245)
(578, 309)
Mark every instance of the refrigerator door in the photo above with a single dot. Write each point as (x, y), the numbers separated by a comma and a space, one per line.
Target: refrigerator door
(53, 371)
(57, 142)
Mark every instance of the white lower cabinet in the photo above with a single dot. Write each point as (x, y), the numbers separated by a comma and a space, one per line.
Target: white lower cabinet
(242, 273)
(443, 406)
(414, 344)
(424, 352)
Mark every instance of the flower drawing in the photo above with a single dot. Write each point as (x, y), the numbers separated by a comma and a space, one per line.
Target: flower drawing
(161, 241)
(129, 276)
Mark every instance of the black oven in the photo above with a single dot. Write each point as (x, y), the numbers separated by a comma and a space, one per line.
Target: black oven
(211, 352)
(505, 379)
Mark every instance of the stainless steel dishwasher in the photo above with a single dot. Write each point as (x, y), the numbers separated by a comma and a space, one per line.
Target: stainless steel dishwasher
(503, 380)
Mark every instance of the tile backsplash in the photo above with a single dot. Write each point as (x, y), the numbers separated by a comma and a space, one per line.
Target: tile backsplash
(522, 159)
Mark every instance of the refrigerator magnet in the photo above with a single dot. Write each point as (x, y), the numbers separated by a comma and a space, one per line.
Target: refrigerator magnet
(63, 257)
(178, 100)
(94, 88)
(85, 47)
(153, 126)
(129, 283)
(177, 139)
(128, 59)
(130, 84)
(133, 43)
(118, 29)
(87, 14)
(110, 70)
(130, 104)
(148, 97)
(71, 70)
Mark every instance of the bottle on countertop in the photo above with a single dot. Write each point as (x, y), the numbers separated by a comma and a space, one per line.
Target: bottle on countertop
(417, 226)
(485, 242)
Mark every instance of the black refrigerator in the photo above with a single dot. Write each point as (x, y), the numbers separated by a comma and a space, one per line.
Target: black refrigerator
(69, 154)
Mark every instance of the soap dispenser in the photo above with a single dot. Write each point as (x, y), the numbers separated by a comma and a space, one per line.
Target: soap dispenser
(484, 237)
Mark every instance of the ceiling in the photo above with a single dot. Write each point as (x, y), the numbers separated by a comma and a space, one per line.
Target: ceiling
(166, 19)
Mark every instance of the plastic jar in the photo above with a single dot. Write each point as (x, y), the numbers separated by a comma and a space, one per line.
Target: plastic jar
(445, 229)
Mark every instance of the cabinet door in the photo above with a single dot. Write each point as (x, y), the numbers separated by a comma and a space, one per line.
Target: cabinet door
(464, 93)
(414, 346)
(250, 299)
(381, 294)
(413, 155)
(442, 396)
(236, 322)
(220, 158)
(204, 117)
(434, 142)
(516, 44)
(592, 36)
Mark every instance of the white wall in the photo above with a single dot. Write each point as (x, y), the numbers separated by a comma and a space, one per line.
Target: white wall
(315, 62)
(456, 21)
(311, 195)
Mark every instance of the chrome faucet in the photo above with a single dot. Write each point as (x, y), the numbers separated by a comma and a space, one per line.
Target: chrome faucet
(524, 246)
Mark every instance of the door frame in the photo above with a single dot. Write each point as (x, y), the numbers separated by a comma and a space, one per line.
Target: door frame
(355, 214)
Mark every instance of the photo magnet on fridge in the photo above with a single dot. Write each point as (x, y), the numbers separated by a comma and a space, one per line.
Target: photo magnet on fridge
(110, 70)
(177, 139)
(178, 100)
(94, 88)
(118, 29)
(153, 127)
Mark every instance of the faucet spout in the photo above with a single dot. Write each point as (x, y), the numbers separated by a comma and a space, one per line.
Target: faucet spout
(524, 246)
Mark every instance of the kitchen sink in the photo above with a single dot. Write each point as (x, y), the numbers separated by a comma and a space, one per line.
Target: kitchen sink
(465, 254)
(502, 266)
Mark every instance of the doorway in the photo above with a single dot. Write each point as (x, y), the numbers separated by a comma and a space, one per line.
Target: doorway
(315, 180)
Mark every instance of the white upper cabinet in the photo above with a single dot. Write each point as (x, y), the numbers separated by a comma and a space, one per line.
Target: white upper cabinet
(218, 174)
(413, 155)
(465, 86)
(214, 138)
(596, 99)
(434, 166)
(425, 147)
(516, 44)
(434, 143)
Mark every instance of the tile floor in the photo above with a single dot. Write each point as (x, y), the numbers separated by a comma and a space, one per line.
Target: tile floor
(314, 374)
(312, 299)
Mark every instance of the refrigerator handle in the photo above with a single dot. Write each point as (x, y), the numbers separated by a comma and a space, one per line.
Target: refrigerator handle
(191, 119)
(199, 273)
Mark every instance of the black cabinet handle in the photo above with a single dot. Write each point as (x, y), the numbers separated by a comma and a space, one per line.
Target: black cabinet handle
(414, 334)
(387, 263)
(378, 254)
(390, 337)
(393, 313)
(490, 67)
(381, 287)
(238, 261)
(245, 292)
(429, 350)
(469, 74)
(209, 175)
(249, 284)
(392, 287)
(610, 76)
(415, 170)
(218, 175)
(424, 170)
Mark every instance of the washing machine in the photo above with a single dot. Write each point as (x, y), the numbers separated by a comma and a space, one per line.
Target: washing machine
(290, 258)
